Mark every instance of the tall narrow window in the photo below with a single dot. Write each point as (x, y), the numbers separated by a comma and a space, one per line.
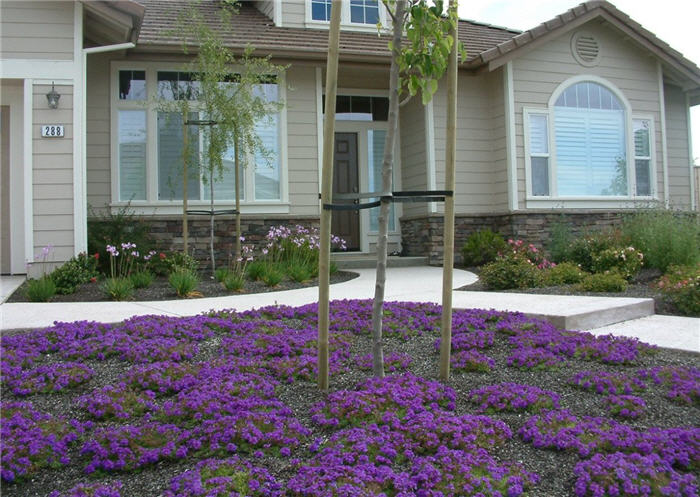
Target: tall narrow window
(321, 10)
(539, 154)
(642, 156)
(589, 132)
(375, 141)
(132, 154)
(170, 157)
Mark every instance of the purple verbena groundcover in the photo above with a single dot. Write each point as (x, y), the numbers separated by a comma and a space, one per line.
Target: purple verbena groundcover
(226, 404)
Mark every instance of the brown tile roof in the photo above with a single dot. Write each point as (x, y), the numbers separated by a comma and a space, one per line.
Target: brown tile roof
(251, 26)
(583, 12)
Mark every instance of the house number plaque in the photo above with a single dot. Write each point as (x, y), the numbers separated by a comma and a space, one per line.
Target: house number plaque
(52, 131)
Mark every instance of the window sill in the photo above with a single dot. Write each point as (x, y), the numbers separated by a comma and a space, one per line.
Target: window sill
(589, 202)
(175, 208)
(346, 26)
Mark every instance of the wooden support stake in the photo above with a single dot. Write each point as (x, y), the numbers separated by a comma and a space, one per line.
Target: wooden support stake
(449, 222)
(327, 195)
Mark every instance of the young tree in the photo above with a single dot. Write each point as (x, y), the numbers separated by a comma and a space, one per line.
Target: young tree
(418, 62)
(227, 98)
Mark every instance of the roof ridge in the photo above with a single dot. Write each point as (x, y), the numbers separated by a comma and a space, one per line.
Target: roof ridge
(488, 25)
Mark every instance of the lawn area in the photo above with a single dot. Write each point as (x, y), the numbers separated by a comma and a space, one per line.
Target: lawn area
(226, 404)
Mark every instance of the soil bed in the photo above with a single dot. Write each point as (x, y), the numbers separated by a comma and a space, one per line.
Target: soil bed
(555, 468)
(640, 287)
(160, 289)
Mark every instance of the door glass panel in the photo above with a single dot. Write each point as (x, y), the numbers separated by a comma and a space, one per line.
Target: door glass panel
(375, 156)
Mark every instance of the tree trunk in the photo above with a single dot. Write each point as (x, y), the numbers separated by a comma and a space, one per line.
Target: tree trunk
(211, 222)
(236, 174)
(449, 221)
(327, 196)
(185, 145)
(384, 211)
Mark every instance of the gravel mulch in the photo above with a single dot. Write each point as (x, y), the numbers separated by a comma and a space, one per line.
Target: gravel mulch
(555, 468)
(160, 289)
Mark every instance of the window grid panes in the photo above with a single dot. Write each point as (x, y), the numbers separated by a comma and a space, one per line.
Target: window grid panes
(321, 10)
(642, 156)
(364, 11)
(539, 154)
(260, 181)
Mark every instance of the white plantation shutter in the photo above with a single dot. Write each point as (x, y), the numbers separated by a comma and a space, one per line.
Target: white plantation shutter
(590, 146)
(267, 169)
(170, 159)
(132, 155)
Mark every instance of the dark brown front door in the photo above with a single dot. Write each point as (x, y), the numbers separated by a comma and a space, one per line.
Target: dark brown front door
(346, 224)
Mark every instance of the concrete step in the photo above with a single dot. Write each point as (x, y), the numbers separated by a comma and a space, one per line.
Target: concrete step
(568, 312)
(368, 261)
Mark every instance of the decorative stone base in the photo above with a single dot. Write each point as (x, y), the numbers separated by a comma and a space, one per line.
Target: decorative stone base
(166, 232)
(424, 235)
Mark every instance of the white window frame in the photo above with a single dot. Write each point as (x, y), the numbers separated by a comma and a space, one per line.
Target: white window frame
(152, 205)
(597, 202)
(345, 22)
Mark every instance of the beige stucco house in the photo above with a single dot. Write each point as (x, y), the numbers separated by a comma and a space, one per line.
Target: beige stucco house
(586, 114)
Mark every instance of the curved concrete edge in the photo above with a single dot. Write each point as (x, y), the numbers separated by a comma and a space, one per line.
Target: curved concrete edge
(421, 283)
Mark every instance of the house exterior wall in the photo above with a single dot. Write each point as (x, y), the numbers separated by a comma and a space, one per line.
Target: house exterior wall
(98, 132)
(536, 74)
(36, 30)
(679, 179)
(294, 14)
(267, 7)
(478, 181)
(52, 183)
(414, 159)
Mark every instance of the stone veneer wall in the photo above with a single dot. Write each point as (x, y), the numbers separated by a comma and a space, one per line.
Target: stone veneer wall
(424, 235)
(166, 232)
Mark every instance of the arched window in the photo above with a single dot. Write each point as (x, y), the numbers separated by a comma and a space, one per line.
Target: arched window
(585, 145)
(589, 135)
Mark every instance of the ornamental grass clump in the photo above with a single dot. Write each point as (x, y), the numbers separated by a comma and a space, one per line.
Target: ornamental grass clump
(512, 397)
(184, 282)
(631, 475)
(607, 382)
(43, 288)
(231, 477)
(32, 440)
(625, 406)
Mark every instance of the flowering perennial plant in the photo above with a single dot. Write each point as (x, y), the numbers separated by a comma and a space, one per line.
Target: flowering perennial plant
(607, 382)
(683, 383)
(393, 362)
(513, 397)
(534, 358)
(49, 378)
(32, 440)
(91, 490)
(117, 402)
(231, 477)
(625, 406)
(162, 378)
(374, 398)
(625, 475)
(471, 361)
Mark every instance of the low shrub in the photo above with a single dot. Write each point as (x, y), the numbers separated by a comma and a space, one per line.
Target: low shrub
(583, 249)
(681, 287)
(482, 247)
(78, 270)
(41, 289)
(565, 273)
(118, 288)
(665, 237)
(603, 282)
(183, 281)
(141, 279)
(528, 252)
(509, 272)
(625, 261)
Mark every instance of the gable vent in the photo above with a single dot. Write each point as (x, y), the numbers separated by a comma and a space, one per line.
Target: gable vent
(585, 48)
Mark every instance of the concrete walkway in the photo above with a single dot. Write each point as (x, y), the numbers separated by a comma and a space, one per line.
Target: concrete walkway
(600, 315)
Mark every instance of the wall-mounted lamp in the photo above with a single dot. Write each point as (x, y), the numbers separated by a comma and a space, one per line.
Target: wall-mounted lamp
(53, 97)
